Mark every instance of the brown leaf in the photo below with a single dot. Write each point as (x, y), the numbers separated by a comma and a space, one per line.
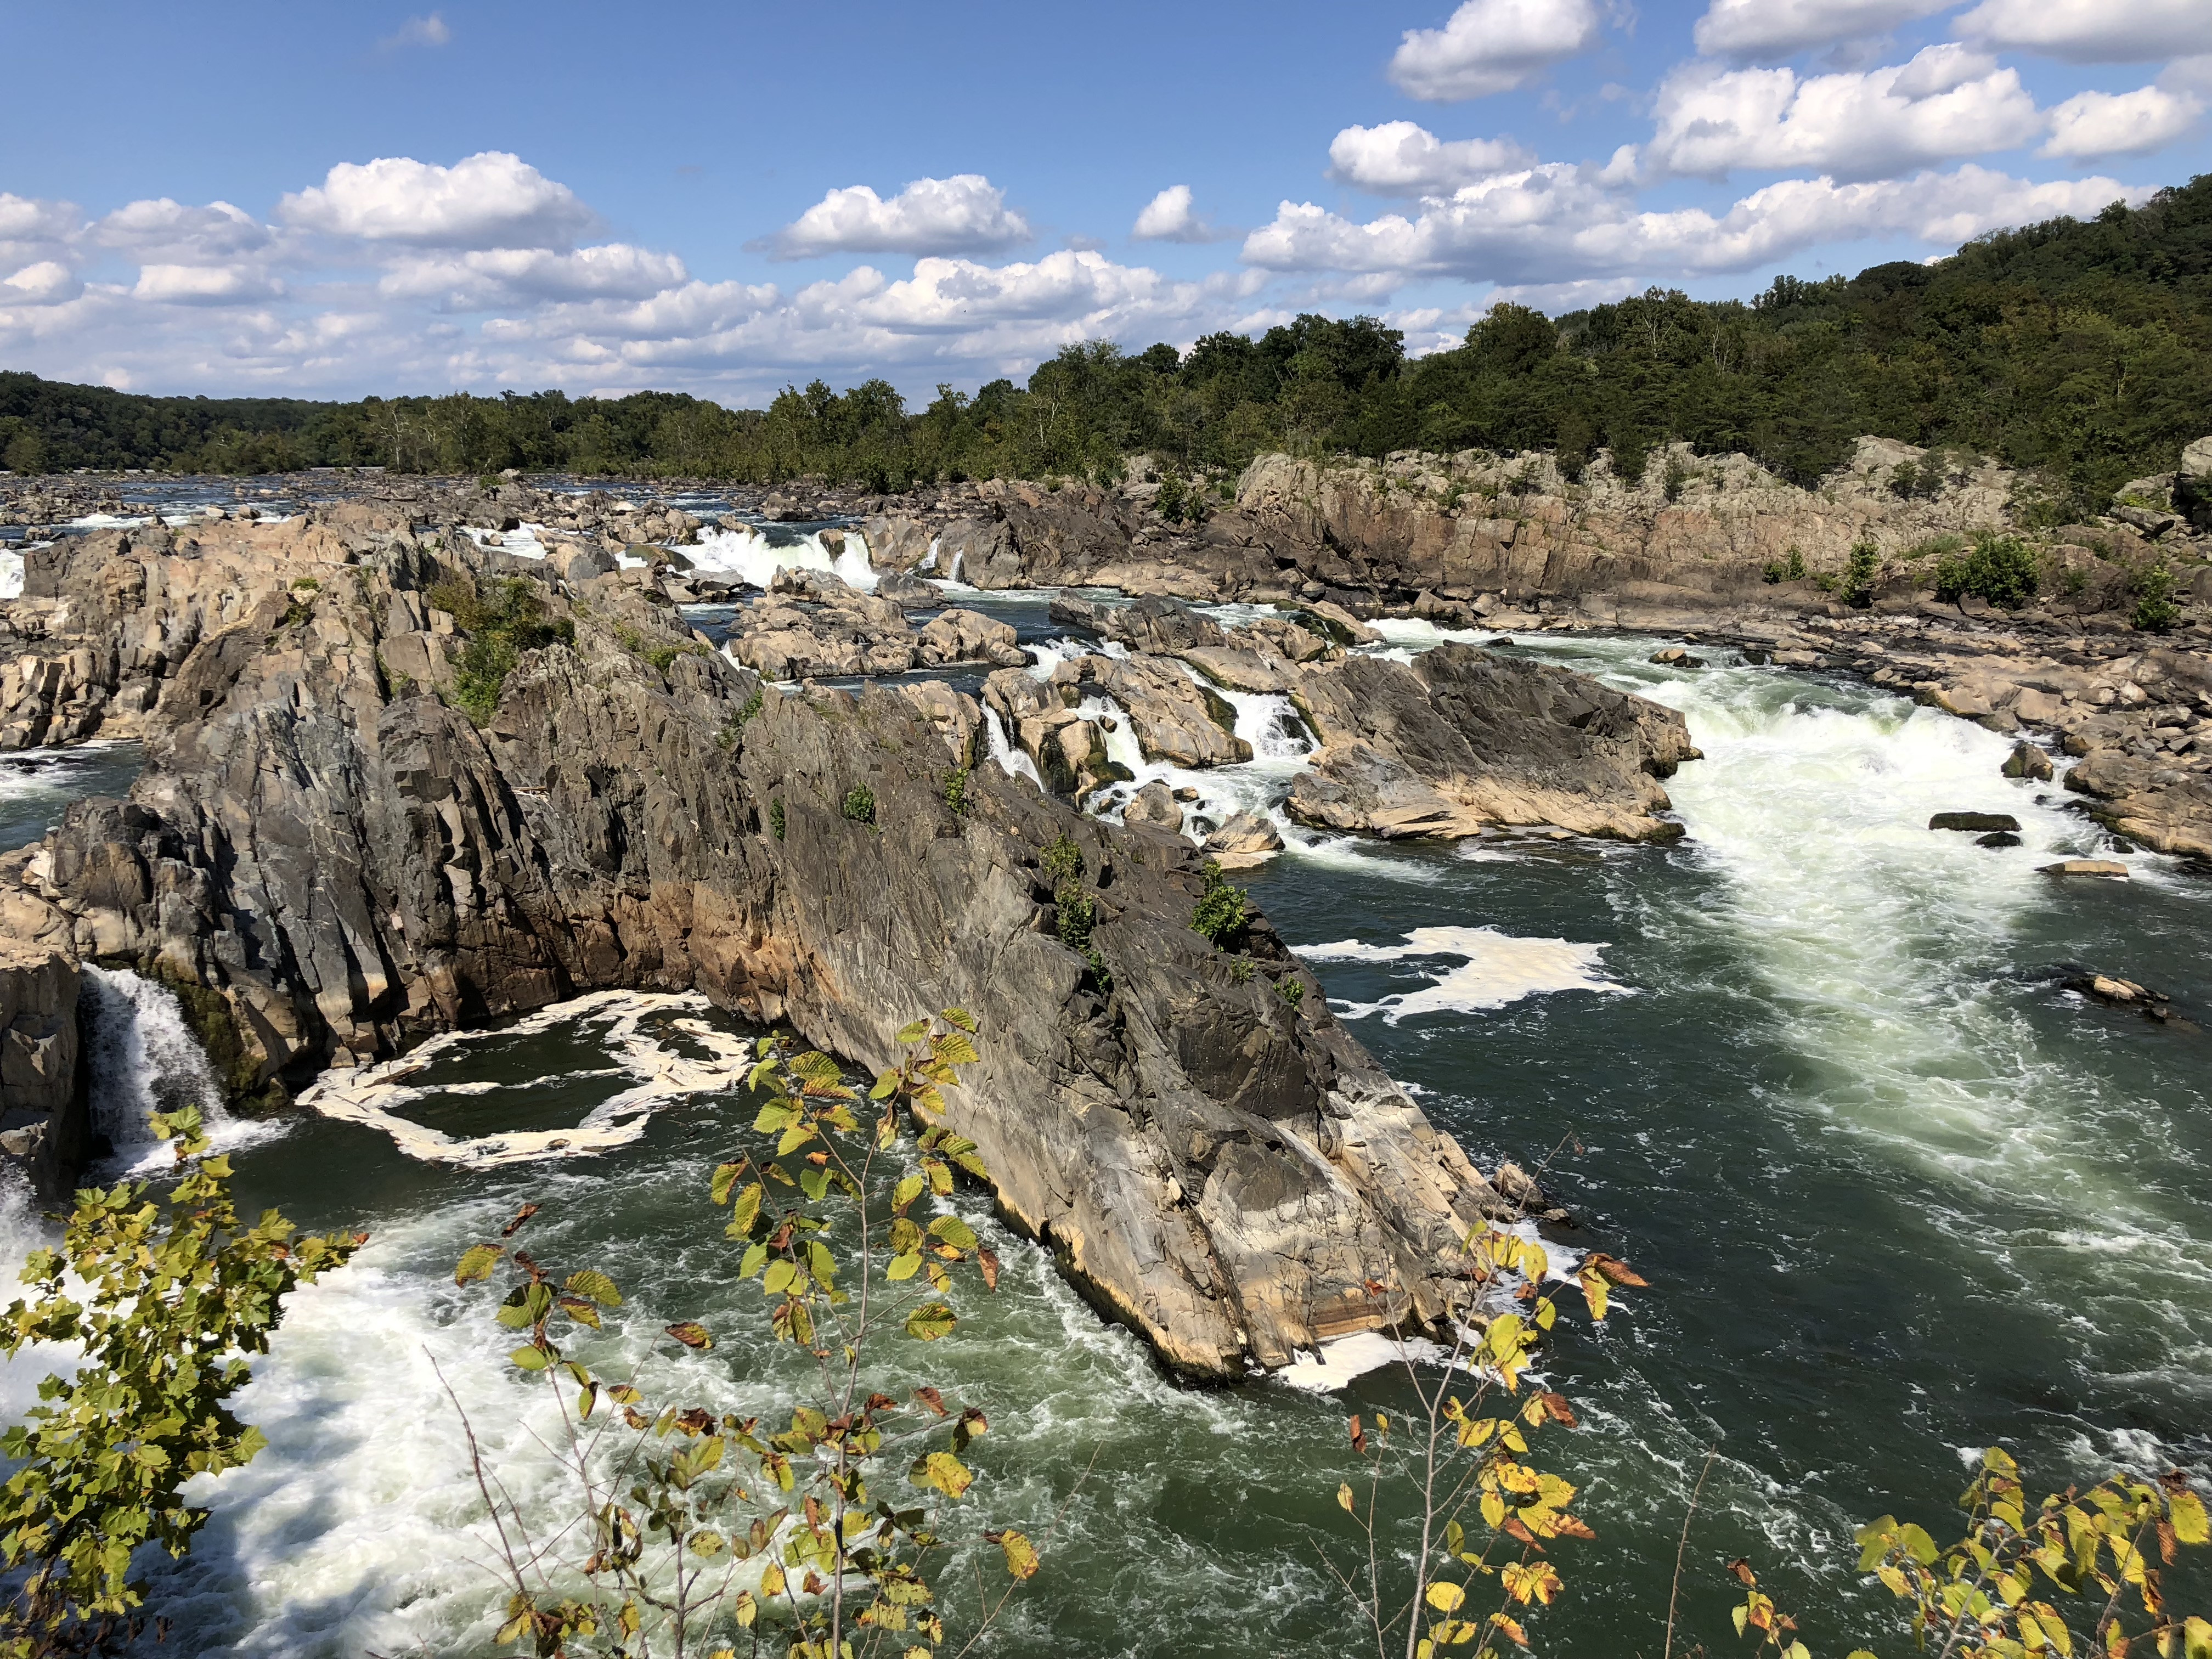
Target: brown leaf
(1570, 1525)
(521, 1216)
(691, 1334)
(1515, 1529)
(695, 1421)
(1556, 1408)
(880, 1402)
(1359, 1435)
(989, 1262)
(1742, 1569)
(934, 1401)
(1614, 1269)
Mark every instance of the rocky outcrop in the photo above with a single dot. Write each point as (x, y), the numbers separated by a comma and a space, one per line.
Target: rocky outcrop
(1462, 739)
(348, 862)
(46, 1126)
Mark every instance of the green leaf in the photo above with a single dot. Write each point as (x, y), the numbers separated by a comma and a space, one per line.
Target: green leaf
(590, 1281)
(821, 1263)
(532, 1360)
(887, 1084)
(781, 1275)
(476, 1262)
(814, 1180)
(744, 1215)
(961, 1017)
(955, 1231)
(725, 1176)
(929, 1322)
(776, 1115)
(914, 1032)
(754, 1258)
(905, 1192)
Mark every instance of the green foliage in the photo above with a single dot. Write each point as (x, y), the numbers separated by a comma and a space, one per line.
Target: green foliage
(1171, 502)
(1863, 571)
(775, 816)
(488, 482)
(1977, 1599)
(1998, 569)
(1222, 910)
(2155, 611)
(1292, 989)
(1791, 569)
(955, 787)
(167, 1297)
(1240, 970)
(844, 1508)
(734, 727)
(859, 804)
(1063, 860)
(501, 623)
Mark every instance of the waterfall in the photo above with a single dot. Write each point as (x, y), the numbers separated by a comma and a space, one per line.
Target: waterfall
(1012, 760)
(143, 1059)
(739, 552)
(11, 573)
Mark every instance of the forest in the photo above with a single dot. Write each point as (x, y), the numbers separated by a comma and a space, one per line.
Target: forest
(2079, 350)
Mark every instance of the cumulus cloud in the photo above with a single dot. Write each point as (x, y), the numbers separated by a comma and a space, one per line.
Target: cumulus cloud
(1556, 223)
(1173, 216)
(1399, 158)
(964, 214)
(33, 230)
(2090, 124)
(1767, 31)
(481, 280)
(169, 232)
(494, 199)
(1491, 46)
(47, 282)
(204, 285)
(2093, 31)
(431, 31)
(1945, 104)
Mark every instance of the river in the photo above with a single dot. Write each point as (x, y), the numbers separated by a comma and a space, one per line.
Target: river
(1811, 1069)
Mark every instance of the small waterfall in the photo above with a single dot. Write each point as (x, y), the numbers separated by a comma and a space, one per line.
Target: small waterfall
(1012, 760)
(741, 553)
(1270, 723)
(143, 1059)
(11, 574)
(959, 560)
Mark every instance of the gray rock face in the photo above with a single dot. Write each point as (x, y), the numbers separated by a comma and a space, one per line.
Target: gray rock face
(1155, 804)
(350, 867)
(45, 1125)
(2192, 484)
(1462, 738)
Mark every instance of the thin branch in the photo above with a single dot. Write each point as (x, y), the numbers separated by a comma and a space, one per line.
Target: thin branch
(1681, 1549)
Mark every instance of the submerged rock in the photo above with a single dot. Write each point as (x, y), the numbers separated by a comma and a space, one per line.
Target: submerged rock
(1974, 823)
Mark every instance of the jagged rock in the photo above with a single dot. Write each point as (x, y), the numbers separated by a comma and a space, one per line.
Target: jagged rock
(1244, 843)
(908, 593)
(2192, 484)
(46, 1122)
(1156, 806)
(1974, 823)
(1462, 738)
(1173, 717)
(2027, 761)
(970, 636)
(348, 870)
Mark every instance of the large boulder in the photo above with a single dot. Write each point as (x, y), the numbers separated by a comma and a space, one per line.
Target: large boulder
(2192, 484)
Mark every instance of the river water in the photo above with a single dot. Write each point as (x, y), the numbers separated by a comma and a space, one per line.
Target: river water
(1811, 1069)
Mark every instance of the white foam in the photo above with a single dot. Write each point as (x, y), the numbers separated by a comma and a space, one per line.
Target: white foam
(523, 544)
(1495, 969)
(737, 551)
(142, 1058)
(1012, 760)
(368, 1095)
(11, 573)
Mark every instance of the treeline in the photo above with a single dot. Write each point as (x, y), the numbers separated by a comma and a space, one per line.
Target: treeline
(2081, 350)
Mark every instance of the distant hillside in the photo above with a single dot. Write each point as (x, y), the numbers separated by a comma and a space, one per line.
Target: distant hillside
(2079, 350)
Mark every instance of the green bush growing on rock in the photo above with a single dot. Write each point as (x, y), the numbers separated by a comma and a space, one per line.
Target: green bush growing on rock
(2155, 611)
(1789, 569)
(165, 1298)
(1063, 860)
(1170, 502)
(956, 788)
(860, 805)
(500, 625)
(1292, 990)
(1222, 909)
(1997, 568)
(734, 727)
(775, 816)
(1863, 571)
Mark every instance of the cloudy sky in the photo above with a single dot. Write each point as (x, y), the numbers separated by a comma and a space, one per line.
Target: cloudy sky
(329, 201)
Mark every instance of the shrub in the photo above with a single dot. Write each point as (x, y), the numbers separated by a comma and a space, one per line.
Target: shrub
(2155, 611)
(1997, 568)
(860, 805)
(1221, 911)
(734, 727)
(165, 1298)
(500, 626)
(1864, 571)
(1292, 990)
(1790, 570)
(956, 788)
(1063, 860)
(775, 816)
(1169, 501)
(1677, 476)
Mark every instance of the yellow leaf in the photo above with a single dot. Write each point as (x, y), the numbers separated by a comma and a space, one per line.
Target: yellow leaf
(1445, 1596)
(1344, 1500)
(2197, 1639)
(2186, 1511)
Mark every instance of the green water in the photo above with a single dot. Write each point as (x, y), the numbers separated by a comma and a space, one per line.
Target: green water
(1898, 1195)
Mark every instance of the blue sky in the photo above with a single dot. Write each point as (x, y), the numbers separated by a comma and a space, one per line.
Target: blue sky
(330, 201)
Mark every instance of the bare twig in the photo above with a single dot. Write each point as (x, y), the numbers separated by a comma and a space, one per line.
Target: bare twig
(1681, 1549)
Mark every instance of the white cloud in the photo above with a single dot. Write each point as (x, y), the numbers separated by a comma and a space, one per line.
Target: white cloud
(47, 282)
(1172, 217)
(1767, 31)
(31, 230)
(1945, 104)
(481, 280)
(1491, 46)
(1402, 159)
(2096, 123)
(169, 232)
(2094, 31)
(431, 31)
(1556, 223)
(964, 214)
(204, 285)
(494, 199)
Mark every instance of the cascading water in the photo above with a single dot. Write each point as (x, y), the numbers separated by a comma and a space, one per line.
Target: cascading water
(738, 552)
(1810, 1069)
(1012, 760)
(141, 1058)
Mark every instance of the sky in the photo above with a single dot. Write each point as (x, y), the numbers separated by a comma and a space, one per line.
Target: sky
(330, 201)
